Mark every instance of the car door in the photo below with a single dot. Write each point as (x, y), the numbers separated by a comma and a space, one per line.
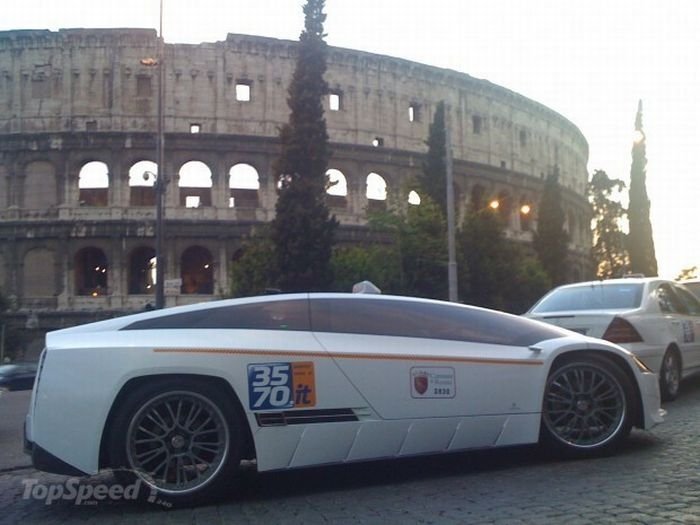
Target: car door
(692, 325)
(681, 324)
(415, 359)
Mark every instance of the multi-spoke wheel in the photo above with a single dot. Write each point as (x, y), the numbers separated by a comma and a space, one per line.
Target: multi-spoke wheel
(182, 439)
(587, 406)
(670, 375)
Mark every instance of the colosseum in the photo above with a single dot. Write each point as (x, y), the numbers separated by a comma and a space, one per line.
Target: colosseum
(78, 117)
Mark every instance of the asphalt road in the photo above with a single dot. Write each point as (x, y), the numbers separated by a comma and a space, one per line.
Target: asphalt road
(13, 408)
(654, 479)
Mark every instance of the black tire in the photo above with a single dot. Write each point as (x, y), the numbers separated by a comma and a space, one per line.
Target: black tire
(180, 439)
(588, 406)
(670, 375)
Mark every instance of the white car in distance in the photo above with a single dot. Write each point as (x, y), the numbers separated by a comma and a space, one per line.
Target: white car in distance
(657, 320)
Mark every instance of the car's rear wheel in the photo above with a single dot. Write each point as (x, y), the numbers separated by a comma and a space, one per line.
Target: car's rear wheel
(182, 439)
(588, 406)
(670, 375)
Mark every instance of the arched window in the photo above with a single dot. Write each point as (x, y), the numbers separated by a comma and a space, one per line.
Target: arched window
(243, 183)
(337, 192)
(376, 193)
(525, 214)
(4, 194)
(142, 271)
(414, 198)
(572, 227)
(197, 271)
(93, 182)
(477, 199)
(91, 272)
(195, 184)
(142, 180)
(40, 186)
(505, 206)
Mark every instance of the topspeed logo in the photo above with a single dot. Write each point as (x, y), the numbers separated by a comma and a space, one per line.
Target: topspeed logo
(276, 386)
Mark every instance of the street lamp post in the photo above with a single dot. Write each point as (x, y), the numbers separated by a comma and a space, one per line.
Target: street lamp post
(161, 179)
(450, 201)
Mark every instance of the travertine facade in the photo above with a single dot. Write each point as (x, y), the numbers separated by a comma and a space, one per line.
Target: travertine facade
(78, 119)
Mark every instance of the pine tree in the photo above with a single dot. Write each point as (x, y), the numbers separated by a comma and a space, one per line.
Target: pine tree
(641, 240)
(303, 231)
(609, 253)
(551, 240)
(433, 179)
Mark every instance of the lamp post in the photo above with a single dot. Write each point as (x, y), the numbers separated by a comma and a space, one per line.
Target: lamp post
(161, 180)
(450, 201)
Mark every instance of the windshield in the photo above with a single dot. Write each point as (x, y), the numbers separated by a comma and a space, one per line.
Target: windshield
(597, 296)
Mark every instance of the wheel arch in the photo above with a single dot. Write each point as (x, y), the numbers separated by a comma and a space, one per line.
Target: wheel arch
(638, 415)
(136, 382)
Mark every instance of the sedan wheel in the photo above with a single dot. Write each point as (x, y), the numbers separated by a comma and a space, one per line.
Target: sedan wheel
(587, 406)
(670, 376)
(183, 441)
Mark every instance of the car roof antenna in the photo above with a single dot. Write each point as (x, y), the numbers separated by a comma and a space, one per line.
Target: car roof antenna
(365, 287)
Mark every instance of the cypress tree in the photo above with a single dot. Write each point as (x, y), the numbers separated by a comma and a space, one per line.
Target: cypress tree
(303, 232)
(551, 240)
(433, 179)
(641, 241)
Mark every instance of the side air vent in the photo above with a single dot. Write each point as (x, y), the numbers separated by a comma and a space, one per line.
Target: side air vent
(305, 417)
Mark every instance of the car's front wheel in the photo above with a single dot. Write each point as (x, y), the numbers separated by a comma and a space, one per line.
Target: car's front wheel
(670, 375)
(588, 406)
(180, 439)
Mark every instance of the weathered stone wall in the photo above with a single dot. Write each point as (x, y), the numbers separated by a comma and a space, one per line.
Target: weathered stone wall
(75, 96)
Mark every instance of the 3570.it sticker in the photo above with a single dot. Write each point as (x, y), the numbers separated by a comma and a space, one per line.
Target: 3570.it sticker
(277, 386)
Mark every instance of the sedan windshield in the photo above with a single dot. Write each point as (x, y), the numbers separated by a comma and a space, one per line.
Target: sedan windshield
(592, 297)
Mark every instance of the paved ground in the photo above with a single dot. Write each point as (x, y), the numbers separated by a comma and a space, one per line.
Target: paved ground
(13, 408)
(653, 480)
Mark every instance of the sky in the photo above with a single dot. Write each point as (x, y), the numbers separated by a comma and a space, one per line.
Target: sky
(590, 61)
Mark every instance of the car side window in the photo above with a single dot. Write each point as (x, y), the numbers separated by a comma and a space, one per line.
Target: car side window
(425, 320)
(689, 300)
(669, 302)
(268, 315)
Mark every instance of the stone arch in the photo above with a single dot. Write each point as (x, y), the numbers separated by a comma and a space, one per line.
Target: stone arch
(525, 212)
(90, 270)
(38, 279)
(195, 183)
(572, 226)
(337, 192)
(244, 186)
(40, 186)
(197, 271)
(376, 192)
(478, 197)
(414, 198)
(142, 179)
(505, 205)
(142, 270)
(4, 187)
(3, 274)
(93, 184)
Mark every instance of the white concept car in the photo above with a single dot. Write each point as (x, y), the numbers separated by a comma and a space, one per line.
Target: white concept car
(179, 397)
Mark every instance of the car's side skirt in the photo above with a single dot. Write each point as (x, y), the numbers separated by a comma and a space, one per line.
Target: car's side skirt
(299, 445)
